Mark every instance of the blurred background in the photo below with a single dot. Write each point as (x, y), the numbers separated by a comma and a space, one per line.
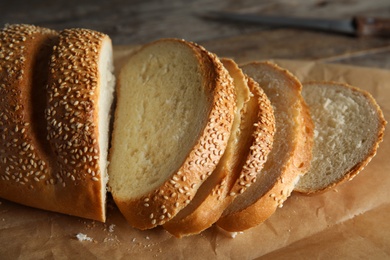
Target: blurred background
(139, 21)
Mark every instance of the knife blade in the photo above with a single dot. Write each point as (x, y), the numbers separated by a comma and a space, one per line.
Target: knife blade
(358, 26)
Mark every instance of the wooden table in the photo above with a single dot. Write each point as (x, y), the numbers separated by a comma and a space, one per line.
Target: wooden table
(137, 22)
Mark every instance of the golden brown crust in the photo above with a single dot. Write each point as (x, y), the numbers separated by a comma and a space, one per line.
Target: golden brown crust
(31, 173)
(355, 169)
(281, 187)
(303, 160)
(163, 203)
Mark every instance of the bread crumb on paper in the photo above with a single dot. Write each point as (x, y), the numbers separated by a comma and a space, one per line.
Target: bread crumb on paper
(227, 233)
(111, 228)
(83, 237)
(108, 239)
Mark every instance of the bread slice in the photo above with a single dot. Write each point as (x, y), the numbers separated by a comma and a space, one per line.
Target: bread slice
(173, 119)
(53, 140)
(248, 146)
(80, 94)
(289, 158)
(349, 126)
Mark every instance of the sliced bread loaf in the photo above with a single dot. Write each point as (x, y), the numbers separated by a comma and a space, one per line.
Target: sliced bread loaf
(248, 146)
(349, 126)
(289, 157)
(54, 140)
(173, 118)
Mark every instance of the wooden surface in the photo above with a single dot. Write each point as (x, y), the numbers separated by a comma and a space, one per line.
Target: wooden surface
(137, 22)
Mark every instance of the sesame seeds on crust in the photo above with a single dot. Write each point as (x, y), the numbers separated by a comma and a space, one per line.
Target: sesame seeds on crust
(263, 133)
(39, 167)
(72, 103)
(21, 161)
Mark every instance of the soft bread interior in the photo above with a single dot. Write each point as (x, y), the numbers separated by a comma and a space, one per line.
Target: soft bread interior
(345, 130)
(106, 91)
(160, 114)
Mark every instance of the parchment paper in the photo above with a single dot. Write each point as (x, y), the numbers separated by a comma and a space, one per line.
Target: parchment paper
(348, 222)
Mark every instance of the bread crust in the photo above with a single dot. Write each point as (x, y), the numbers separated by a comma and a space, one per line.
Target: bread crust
(281, 187)
(163, 203)
(358, 167)
(263, 136)
(236, 173)
(53, 161)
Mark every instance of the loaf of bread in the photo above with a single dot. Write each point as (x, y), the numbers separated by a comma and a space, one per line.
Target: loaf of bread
(196, 140)
(349, 126)
(249, 143)
(56, 95)
(173, 119)
(289, 158)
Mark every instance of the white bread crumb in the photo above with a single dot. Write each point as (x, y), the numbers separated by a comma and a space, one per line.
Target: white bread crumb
(227, 233)
(83, 237)
(111, 228)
